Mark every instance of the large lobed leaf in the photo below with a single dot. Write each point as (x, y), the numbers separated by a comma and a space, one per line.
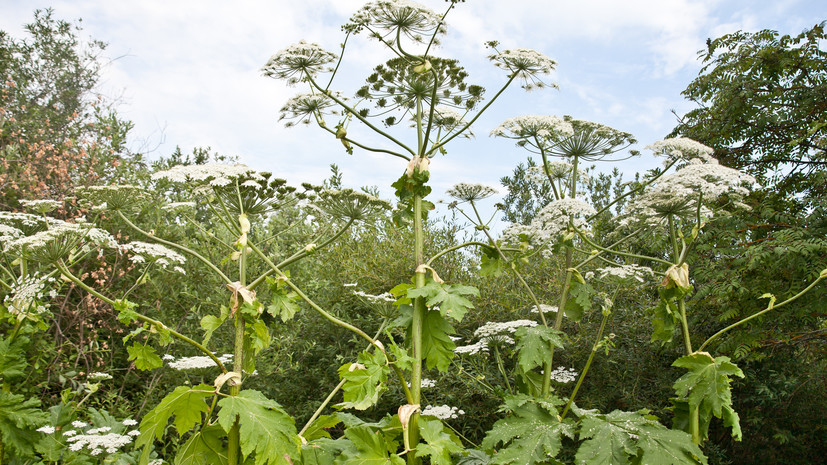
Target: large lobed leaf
(365, 381)
(449, 297)
(620, 438)
(185, 405)
(535, 344)
(265, 428)
(532, 434)
(707, 387)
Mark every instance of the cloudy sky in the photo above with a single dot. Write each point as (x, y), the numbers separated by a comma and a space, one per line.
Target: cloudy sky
(187, 71)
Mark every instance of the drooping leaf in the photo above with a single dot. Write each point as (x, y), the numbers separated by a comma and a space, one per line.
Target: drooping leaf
(490, 263)
(534, 345)
(371, 448)
(205, 447)
(318, 429)
(437, 346)
(620, 438)
(365, 380)
(18, 419)
(144, 356)
(283, 303)
(579, 300)
(450, 298)
(266, 429)
(184, 405)
(439, 445)
(707, 387)
(532, 434)
(12, 358)
(665, 320)
(210, 323)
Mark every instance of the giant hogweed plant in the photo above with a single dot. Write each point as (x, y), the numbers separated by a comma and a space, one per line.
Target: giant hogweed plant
(226, 423)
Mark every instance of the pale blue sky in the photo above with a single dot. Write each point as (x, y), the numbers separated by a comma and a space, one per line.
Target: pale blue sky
(187, 72)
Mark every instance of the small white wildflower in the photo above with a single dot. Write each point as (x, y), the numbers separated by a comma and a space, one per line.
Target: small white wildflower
(142, 251)
(98, 376)
(129, 422)
(471, 192)
(168, 357)
(199, 361)
(134, 433)
(46, 429)
(544, 308)
(78, 424)
(443, 412)
(70, 433)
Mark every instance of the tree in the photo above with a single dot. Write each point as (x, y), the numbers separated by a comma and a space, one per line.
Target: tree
(55, 131)
(763, 107)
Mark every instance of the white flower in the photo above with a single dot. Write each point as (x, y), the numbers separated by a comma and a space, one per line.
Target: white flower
(41, 206)
(58, 241)
(411, 19)
(141, 251)
(471, 192)
(544, 308)
(98, 376)
(472, 349)
(625, 272)
(199, 361)
(553, 220)
(129, 422)
(381, 298)
(178, 205)
(305, 108)
(78, 424)
(297, 61)
(25, 296)
(217, 174)
(682, 148)
(167, 357)
(531, 126)
(563, 375)
(526, 64)
(443, 412)
(46, 429)
(70, 433)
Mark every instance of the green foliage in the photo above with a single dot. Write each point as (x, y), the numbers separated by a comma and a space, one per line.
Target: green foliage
(144, 356)
(706, 387)
(18, 419)
(532, 434)
(266, 429)
(203, 447)
(437, 346)
(439, 444)
(364, 381)
(762, 98)
(534, 345)
(579, 301)
(371, 448)
(184, 405)
(283, 302)
(633, 437)
(449, 297)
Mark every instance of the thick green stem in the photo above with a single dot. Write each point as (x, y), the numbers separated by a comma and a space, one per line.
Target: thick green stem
(234, 435)
(419, 312)
(595, 347)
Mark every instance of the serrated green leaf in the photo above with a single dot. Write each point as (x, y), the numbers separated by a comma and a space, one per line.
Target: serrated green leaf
(492, 264)
(266, 429)
(400, 291)
(449, 298)
(371, 448)
(18, 419)
(534, 345)
(579, 300)
(707, 387)
(664, 321)
(631, 437)
(437, 346)
(210, 323)
(532, 434)
(363, 386)
(205, 447)
(474, 457)
(400, 356)
(438, 444)
(144, 356)
(317, 429)
(126, 311)
(12, 358)
(323, 451)
(184, 405)
(283, 304)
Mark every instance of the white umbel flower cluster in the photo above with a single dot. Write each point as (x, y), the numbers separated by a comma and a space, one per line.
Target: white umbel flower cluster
(552, 221)
(96, 441)
(682, 148)
(531, 126)
(623, 273)
(493, 332)
(217, 174)
(410, 18)
(141, 252)
(28, 295)
(297, 61)
(199, 361)
(471, 192)
(527, 65)
(563, 375)
(443, 412)
(376, 299)
(544, 308)
(41, 206)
